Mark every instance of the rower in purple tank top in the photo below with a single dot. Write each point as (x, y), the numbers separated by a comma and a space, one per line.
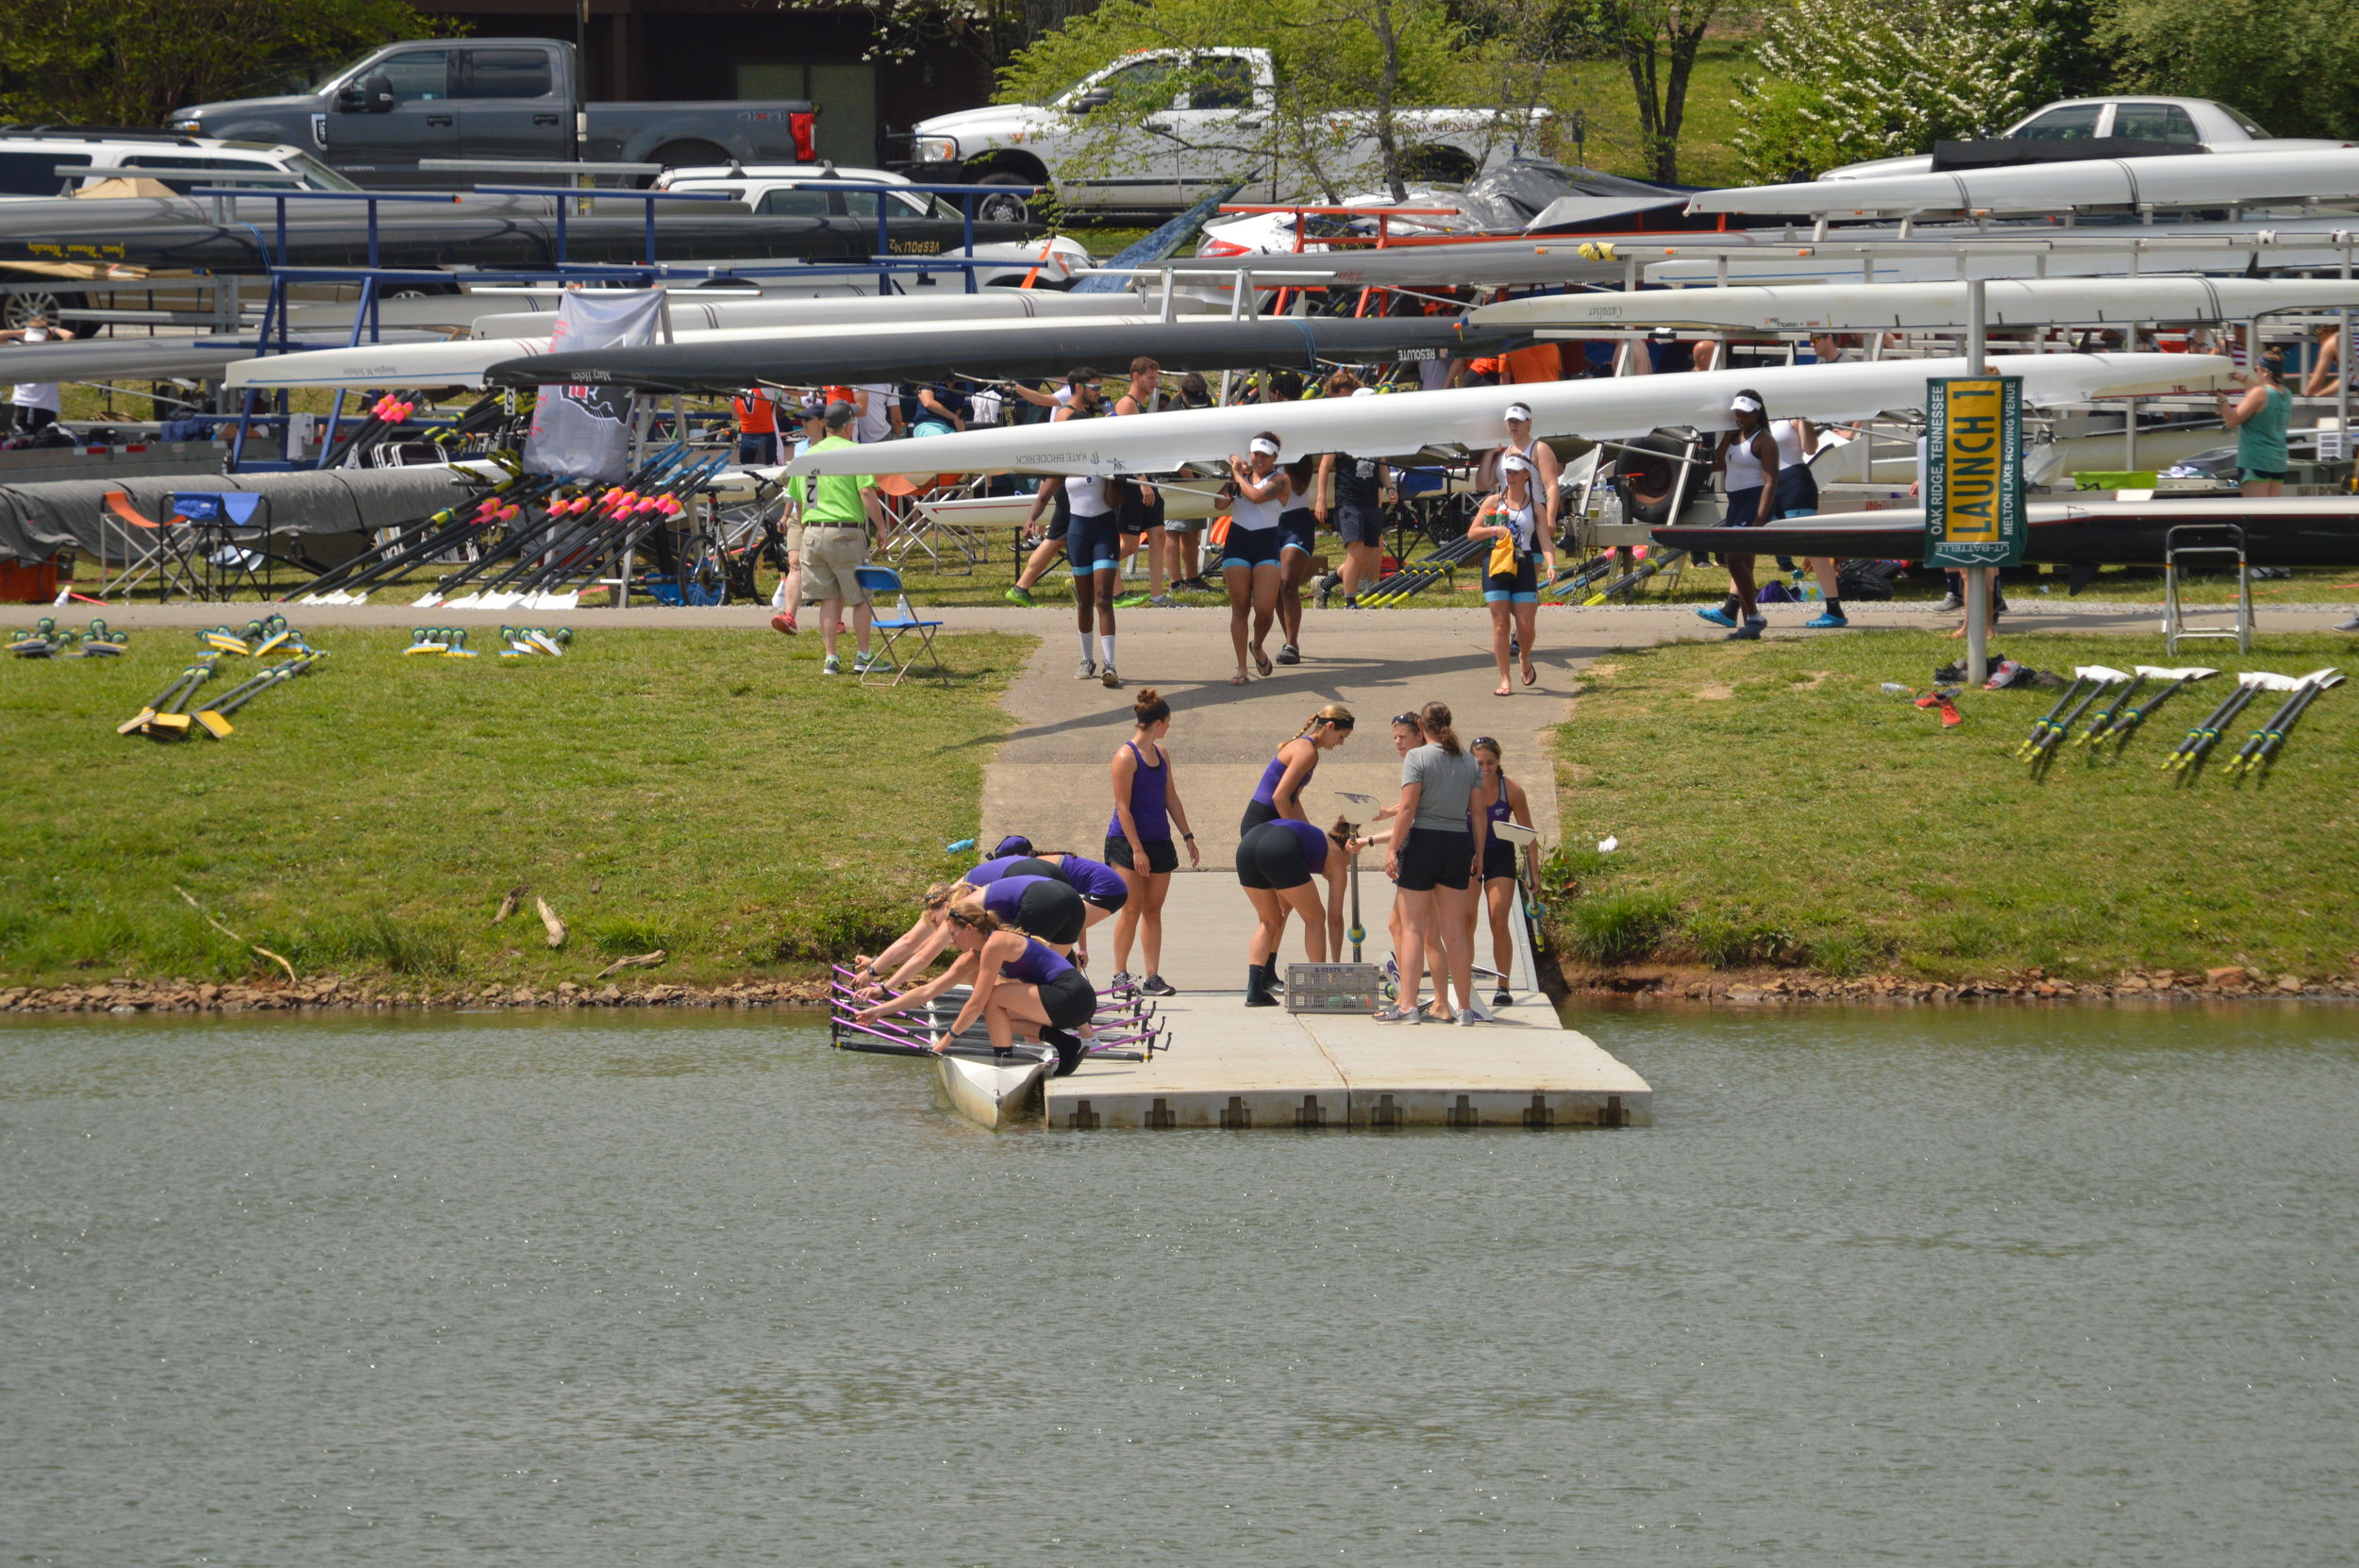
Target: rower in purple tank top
(1139, 840)
(1279, 793)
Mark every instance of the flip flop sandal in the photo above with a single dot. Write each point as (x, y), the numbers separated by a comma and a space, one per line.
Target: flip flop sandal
(1504, 692)
(1531, 674)
(1240, 680)
(1261, 662)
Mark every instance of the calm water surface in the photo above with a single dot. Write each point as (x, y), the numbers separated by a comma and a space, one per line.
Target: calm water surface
(1962, 1287)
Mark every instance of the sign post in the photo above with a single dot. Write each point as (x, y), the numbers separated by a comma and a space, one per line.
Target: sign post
(1974, 480)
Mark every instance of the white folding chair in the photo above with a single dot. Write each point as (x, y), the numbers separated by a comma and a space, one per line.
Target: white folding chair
(903, 625)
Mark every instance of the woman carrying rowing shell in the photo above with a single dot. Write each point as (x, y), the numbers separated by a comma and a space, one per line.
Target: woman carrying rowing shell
(1510, 516)
(1093, 550)
(1522, 443)
(1275, 864)
(1138, 840)
(1504, 801)
(1248, 558)
(1020, 984)
(1279, 793)
(1297, 542)
(1748, 455)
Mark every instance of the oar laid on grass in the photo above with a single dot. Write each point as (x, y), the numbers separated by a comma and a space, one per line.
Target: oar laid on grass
(2104, 716)
(2200, 740)
(2126, 720)
(2263, 742)
(214, 720)
(167, 702)
(2046, 720)
(1655, 563)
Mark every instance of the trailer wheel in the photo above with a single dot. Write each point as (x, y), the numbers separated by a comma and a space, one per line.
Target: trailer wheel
(23, 307)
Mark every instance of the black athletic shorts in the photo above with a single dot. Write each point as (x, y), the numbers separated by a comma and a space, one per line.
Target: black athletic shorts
(1139, 516)
(1251, 548)
(1743, 508)
(1271, 857)
(1361, 524)
(1053, 912)
(1109, 902)
(1435, 857)
(1069, 999)
(1498, 858)
(1161, 855)
(1299, 530)
(1094, 545)
(1256, 813)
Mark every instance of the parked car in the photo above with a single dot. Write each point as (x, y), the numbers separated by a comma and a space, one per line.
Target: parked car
(2164, 125)
(1192, 145)
(494, 98)
(31, 157)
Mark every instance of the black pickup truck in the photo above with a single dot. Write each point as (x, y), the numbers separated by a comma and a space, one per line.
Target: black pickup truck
(494, 98)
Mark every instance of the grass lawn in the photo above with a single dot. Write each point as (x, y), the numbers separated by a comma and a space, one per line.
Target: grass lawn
(710, 794)
(1775, 806)
(1600, 90)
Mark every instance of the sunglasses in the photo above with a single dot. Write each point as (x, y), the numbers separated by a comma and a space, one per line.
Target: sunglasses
(1410, 719)
(1484, 740)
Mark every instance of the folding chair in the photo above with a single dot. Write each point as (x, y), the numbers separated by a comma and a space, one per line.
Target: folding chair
(880, 581)
(215, 518)
(150, 549)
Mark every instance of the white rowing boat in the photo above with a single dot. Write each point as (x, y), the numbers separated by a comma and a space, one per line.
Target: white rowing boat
(991, 1090)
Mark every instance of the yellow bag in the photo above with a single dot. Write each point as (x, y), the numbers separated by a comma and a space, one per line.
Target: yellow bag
(1503, 562)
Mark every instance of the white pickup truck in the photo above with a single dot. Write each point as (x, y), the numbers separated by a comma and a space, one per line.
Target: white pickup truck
(2180, 125)
(1219, 124)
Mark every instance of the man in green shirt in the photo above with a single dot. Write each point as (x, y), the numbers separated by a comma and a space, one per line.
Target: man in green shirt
(842, 521)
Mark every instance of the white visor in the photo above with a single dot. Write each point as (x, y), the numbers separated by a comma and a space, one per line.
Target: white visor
(1263, 445)
(1519, 410)
(1513, 464)
(1364, 392)
(1745, 406)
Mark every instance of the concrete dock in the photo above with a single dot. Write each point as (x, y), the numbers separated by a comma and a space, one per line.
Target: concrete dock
(1239, 1067)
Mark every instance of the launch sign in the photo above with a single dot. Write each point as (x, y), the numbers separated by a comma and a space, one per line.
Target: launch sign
(1974, 471)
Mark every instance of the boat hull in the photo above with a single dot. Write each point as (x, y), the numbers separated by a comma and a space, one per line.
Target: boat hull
(2278, 531)
(992, 1091)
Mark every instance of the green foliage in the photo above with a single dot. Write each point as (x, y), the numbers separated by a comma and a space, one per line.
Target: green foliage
(1658, 43)
(1618, 927)
(1738, 939)
(1854, 79)
(2292, 64)
(130, 62)
(627, 936)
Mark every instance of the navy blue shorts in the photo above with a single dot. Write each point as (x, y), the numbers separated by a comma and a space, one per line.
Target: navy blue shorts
(1521, 585)
(1299, 530)
(1093, 543)
(1743, 508)
(1251, 548)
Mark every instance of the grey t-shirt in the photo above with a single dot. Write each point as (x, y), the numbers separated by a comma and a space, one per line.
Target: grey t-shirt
(1448, 780)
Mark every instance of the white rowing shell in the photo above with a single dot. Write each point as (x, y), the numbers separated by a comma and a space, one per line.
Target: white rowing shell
(992, 1092)
(1404, 422)
(2007, 302)
(2202, 179)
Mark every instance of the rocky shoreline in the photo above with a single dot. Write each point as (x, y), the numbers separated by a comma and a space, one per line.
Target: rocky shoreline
(2234, 980)
(335, 993)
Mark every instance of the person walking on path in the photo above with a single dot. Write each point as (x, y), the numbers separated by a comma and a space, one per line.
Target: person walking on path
(1521, 444)
(2259, 419)
(1297, 542)
(1358, 487)
(1512, 575)
(1094, 548)
(1275, 864)
(1440, 803)
(1748, 455)
(1248, 560)
(1076, 399)
(843, 522)
(1279, 793)
(790, 594)
(1139, 843)
(1798, 496)
(1142, 503)
(1503, 801)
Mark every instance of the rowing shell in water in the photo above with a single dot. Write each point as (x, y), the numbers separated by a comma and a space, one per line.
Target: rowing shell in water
(990, 1089)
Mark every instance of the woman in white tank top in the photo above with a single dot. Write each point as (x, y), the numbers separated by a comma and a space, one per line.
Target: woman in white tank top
(1749, 458)
(1248, 555)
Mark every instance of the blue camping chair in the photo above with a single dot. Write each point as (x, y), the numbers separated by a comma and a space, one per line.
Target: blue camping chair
(896, 632)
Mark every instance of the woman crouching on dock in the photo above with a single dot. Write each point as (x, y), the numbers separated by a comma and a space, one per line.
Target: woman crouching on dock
(1021, 985)
(1275, 864)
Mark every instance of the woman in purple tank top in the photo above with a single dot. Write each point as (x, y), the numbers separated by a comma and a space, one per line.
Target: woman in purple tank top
(1021, 988)
(1138, 840)
(1279, 793)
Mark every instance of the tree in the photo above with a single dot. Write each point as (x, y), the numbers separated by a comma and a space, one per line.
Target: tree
(1855, 79)
(1656, 41)
(2292, 63)
(130, 62)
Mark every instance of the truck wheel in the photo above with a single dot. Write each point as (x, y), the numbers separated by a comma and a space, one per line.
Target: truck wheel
(686, 154)
(23, 307)
(996, 209)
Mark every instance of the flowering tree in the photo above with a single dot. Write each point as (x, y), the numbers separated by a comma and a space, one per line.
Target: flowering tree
(1854, 79)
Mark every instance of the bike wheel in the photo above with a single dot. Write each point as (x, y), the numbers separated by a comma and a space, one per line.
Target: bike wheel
(704, 575)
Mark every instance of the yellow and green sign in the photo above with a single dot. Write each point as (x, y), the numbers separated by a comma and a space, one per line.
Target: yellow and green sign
(1974, 471)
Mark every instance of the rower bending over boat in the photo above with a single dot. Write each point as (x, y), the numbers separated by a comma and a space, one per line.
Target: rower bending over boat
(1038, 903)
(1276, 861)
(1018, 983)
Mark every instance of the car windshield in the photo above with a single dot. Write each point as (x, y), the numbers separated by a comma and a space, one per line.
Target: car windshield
(318, 176)
(323, 80)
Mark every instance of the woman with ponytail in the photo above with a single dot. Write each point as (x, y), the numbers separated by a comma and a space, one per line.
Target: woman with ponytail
(1432, 863)
(1279, 793)
(1139, 843)
(1021, 985)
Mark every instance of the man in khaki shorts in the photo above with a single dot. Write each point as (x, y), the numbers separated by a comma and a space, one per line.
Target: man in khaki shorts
(841, 521)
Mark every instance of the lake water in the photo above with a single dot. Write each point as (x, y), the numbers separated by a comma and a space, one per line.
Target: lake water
(1921, 1287)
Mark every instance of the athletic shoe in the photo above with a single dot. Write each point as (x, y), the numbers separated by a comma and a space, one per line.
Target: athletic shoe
(1289, 654)
(1352, 603)
(1391, 969)
(1274, 983)
(833, 666)
(1133, 601)
(1750, 631)
(1021, 596)
(782, 622)
(1163, 601)
(1514, 643)
(1717, 616)
(1468, 1018)
(1086, 670)
(1155, 985)
(862, 664)
(1950, 604)
(1502, 998)
(2351, 625)
(1110, 680)
(1827, 620)
(1399, 1015)
(1122, 977)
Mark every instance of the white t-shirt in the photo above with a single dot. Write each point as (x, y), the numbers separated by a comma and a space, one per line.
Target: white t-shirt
(37, 394)
(877, 423)
(983, 407)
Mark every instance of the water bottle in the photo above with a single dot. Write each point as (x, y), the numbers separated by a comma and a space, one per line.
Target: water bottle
(958, 846)
(1896, 689)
